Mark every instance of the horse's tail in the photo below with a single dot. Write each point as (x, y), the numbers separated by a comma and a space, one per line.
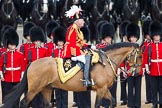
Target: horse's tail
(16, 93)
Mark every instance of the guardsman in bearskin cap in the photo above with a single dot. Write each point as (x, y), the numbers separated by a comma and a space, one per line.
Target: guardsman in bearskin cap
(123, 65)
(122, 31)
(12, 63)
(134, 80)
(2, 48)
(50, 26)
(154, 64)
(59, 40)
(98, 29)
(24, 48)
(74, 42)
(107, 33)
(38, 51)
(145, 46)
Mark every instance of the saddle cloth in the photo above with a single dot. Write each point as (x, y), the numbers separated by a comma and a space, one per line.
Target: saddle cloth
(68, 68)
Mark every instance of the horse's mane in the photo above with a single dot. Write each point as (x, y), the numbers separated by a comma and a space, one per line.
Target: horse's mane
(120, 45)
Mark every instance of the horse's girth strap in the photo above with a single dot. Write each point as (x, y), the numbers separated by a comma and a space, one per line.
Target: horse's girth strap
(112, 67)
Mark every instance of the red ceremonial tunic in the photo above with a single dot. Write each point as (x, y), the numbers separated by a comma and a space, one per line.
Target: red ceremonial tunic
(145, 47)
(38, 52)
(2, 50)
(15, 65)
(156, 59)
(59, 52)
(74, 42)
(24, 48)
(50, 47)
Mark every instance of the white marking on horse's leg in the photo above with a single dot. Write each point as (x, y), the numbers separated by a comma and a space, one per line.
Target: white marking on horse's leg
(45, 6)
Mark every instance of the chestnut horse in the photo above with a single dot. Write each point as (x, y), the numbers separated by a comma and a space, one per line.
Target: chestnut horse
(42, 76)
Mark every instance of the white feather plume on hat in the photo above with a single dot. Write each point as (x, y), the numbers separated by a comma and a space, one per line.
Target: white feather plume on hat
(73, 10)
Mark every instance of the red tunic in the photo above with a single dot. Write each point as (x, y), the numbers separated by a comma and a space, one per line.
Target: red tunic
(24, 48)
(156, 59)
(38, 53)
(59, 52)
(50, 47)
(15, 65)
(145, 47)
(74, 41)
(2, 50)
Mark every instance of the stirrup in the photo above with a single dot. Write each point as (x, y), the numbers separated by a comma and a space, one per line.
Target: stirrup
(85, 82)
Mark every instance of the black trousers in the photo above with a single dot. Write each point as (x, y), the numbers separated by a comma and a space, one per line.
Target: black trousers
(83, 99)
(6, 89)
(61, 98)
(156, 86)
(148, 86)
(123, 83)
(105, 102)
(134, 91)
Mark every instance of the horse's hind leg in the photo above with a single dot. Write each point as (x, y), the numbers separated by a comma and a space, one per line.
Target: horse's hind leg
(46, 92)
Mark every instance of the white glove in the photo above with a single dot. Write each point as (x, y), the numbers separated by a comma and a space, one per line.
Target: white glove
(118, 71)
(93, 47)
(147, 68)
(1, 76)
(22, 74)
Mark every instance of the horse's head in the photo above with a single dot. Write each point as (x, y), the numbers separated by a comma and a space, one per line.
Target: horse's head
(135, 60)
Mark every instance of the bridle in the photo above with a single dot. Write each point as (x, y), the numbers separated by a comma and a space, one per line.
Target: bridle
(6, 13)
(132, 10)
(132, 67)
(135, 64)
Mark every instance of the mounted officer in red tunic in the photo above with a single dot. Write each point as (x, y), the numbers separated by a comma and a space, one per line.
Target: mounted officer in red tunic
(74, 42)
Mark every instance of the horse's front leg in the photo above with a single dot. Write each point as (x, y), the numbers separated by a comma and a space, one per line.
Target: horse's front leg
(100, 93)
(109, 96)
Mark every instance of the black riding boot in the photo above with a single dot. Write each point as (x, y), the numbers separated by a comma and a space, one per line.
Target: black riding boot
(87, 81)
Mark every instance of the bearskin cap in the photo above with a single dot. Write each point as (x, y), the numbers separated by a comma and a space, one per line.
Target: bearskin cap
(4, 28)
(26, 28)
(10, 36)
(107, 29)
(155, 29)
(98, 27)
(122, 28)
(132, 29)
(50, 26)
(37, 34)
(145, 27)
(86, 33)
(59, 34)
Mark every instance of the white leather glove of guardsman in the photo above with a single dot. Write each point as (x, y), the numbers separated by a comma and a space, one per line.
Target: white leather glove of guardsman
(147, 68)
(45, 6)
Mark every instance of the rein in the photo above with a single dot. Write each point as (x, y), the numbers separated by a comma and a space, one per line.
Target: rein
(5, 13)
